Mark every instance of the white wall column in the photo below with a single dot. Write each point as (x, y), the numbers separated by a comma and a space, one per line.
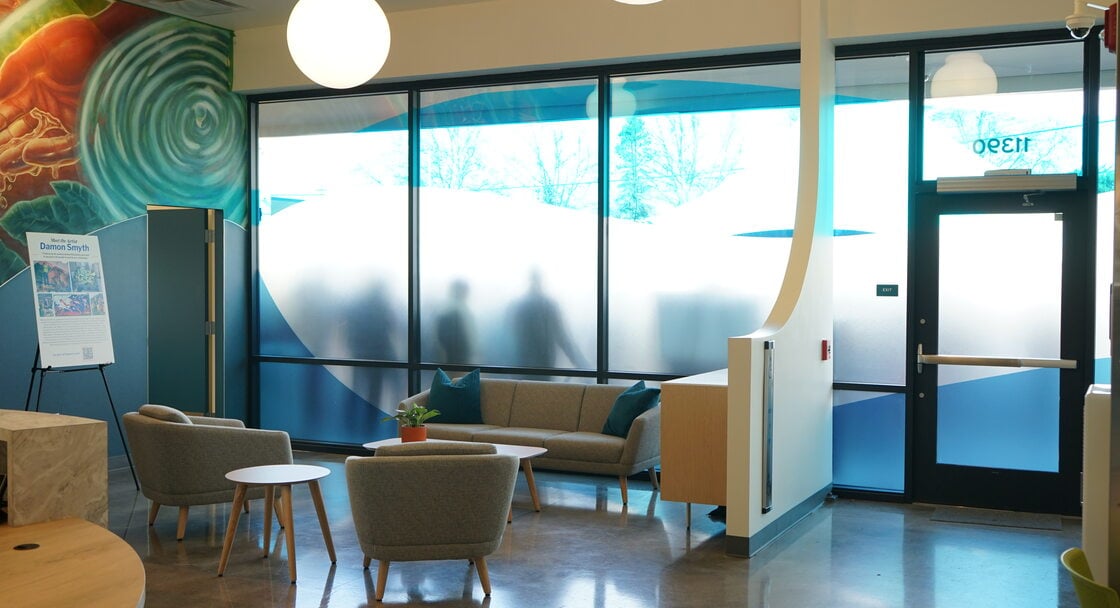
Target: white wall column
(800, 320)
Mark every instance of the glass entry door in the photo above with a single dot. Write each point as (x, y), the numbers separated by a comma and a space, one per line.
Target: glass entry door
(1000, 361)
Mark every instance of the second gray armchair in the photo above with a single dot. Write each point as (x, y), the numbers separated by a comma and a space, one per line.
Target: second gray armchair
(182, 460)
(430, 501)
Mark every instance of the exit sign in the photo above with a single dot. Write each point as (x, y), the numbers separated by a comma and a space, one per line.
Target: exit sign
(886, 291)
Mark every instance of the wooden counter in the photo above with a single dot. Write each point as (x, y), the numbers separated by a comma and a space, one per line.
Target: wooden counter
(694, 439)
(57, 467)
(76, 564)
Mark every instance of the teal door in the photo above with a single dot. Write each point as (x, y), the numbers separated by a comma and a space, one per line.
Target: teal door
(180, 361)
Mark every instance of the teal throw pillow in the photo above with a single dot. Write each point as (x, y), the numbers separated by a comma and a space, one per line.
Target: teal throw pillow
(630, 404)
(459, 401)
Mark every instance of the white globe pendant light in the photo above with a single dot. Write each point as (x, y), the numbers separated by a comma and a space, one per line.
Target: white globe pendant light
(338, 43)
(623, 102)
(964, 74)
(637, 1)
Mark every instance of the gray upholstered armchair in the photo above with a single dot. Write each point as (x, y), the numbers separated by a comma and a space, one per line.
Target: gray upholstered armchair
(182, 460)
(429, 501)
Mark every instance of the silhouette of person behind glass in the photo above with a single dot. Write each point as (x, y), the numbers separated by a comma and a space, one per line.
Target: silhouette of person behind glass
(539, 330)
(370, 324)
(371, 327)
(455, 327)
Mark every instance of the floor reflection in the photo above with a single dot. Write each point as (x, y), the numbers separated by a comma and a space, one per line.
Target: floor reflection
(584, 548)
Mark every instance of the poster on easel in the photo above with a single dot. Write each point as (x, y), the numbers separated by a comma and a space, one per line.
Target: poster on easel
(71, 309)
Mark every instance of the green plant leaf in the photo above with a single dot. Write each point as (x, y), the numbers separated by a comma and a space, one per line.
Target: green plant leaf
(10, 263)
(72, 209)
(415, 415)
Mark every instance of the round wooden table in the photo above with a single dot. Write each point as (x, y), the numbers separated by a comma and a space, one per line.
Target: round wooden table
(271, 476)
(68, 562)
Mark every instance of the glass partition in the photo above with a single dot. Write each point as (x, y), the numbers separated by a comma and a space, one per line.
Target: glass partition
(869, 440)
(508, 258)
(333, 235)
(870, 281)
(999, 294)
(703, 186)
(508, 225)
(871, 191)
(333, 228)
(1015, 108)
(314, 403)
(1106, 187)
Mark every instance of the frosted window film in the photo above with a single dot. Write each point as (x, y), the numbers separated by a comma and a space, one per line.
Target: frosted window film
(1106, 186)
(509, 233)
(701, 214)
(333, 235)
(1033, 121)
(999, 295)
(870, 202)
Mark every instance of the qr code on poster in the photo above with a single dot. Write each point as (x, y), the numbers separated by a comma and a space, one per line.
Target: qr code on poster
(87, 353)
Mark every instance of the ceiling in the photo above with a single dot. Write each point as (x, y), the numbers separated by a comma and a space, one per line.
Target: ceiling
(247, 14)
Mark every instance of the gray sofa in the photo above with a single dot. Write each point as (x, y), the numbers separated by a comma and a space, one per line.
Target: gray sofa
(566, 419)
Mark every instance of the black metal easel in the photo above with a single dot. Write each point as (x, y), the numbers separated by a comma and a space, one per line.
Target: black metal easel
(43, 371)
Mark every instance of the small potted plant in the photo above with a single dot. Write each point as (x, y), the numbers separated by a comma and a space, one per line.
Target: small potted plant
(412, 421)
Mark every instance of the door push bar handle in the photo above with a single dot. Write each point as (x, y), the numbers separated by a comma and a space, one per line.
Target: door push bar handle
(992, 361)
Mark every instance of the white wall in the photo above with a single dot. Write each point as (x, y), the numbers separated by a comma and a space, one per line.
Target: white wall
(512, 35)
(800, 320)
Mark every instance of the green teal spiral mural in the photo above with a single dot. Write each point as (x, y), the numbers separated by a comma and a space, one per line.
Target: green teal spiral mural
(159, 125)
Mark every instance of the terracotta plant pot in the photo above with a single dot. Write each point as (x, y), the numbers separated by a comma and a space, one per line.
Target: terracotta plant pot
(413, 433)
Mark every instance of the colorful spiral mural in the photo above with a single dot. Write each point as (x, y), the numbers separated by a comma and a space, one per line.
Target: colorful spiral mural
(106, 108)
(159, 124)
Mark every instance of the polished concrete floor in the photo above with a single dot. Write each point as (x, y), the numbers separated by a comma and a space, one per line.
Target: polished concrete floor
(585, 550)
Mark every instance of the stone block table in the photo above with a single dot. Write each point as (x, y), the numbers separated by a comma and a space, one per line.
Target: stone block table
(57, 466)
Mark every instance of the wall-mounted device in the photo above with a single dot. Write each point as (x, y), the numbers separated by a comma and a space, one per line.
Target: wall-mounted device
(1081, 22)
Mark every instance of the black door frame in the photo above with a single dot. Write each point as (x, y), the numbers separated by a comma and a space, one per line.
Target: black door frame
(1000, 488)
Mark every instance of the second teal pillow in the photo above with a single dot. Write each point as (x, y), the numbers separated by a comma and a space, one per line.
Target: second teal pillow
(630, 404)
(459, 401)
